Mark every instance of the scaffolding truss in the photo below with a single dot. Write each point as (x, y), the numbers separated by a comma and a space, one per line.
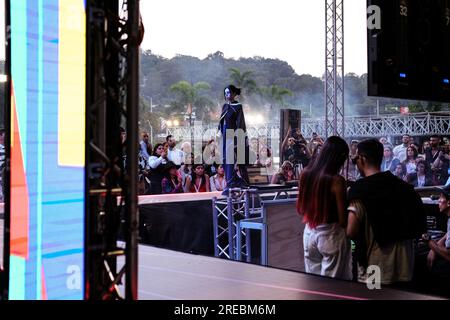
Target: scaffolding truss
(113, 61)
(237, 214)
(334, 73)
(418, 125)
(226, 213)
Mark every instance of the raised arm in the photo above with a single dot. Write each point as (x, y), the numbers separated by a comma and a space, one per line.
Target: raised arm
(283, 145)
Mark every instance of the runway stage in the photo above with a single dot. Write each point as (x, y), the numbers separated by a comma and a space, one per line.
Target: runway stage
(168, 275)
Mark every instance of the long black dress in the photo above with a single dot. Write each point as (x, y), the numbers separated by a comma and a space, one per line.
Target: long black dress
(232, 118)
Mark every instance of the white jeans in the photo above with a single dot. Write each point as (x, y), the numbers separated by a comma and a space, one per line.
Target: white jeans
(328, 251)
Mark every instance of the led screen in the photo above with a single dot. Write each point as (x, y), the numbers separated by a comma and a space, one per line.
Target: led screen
(48, 84)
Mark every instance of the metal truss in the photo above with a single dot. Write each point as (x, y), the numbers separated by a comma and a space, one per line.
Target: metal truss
(334, 73)
(226, 213)
(368, 127)
(424, 124)
(113, 60)
(232, 217)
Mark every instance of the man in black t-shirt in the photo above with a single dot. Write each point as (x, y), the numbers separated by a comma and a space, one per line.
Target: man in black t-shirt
(385, 216)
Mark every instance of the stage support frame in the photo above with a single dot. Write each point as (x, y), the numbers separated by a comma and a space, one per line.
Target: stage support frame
(112, 104)
(334, 70)
(232, 240)
(226, 213)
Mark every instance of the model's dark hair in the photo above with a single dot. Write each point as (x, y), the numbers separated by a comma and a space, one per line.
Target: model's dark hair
(315, 199)
(372, 150)
(168, 137)
(233, 89)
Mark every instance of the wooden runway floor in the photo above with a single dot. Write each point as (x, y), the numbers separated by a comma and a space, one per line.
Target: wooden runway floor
(171, 275)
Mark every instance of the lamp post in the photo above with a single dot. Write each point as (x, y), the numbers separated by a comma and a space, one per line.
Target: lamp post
(151, 102)
(190, 116)
(151, 131)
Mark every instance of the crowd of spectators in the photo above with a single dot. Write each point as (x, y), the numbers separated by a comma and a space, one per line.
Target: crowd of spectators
(374, 172)
(423, 164)
(163, 168)
(382, 215)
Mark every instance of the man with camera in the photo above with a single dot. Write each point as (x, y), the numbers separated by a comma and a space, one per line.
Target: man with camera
(295, 149)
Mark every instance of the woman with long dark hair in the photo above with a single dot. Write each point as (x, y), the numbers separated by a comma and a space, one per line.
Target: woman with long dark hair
(411, 160)
(218, 181)
(322, 203)
(198, 181)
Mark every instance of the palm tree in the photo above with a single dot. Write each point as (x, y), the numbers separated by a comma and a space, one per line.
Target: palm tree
(275, 95)
(189, 96)
(243, 80)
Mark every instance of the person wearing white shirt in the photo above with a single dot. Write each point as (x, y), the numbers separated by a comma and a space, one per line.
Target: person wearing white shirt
(144, 144)
(400, 150)
(175, 155)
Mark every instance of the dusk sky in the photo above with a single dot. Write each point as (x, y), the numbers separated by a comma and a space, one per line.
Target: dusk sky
(290, 30)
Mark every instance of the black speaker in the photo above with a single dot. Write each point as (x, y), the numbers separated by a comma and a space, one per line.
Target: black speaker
(289, 119)
(409, 56)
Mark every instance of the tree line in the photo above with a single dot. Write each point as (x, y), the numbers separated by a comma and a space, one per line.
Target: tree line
(184, 83)
(177, 87)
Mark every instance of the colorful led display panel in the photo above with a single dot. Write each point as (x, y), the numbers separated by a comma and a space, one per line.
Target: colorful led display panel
(47, 195)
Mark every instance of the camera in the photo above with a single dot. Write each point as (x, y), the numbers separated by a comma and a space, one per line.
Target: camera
(426, 237)
(442, 157)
